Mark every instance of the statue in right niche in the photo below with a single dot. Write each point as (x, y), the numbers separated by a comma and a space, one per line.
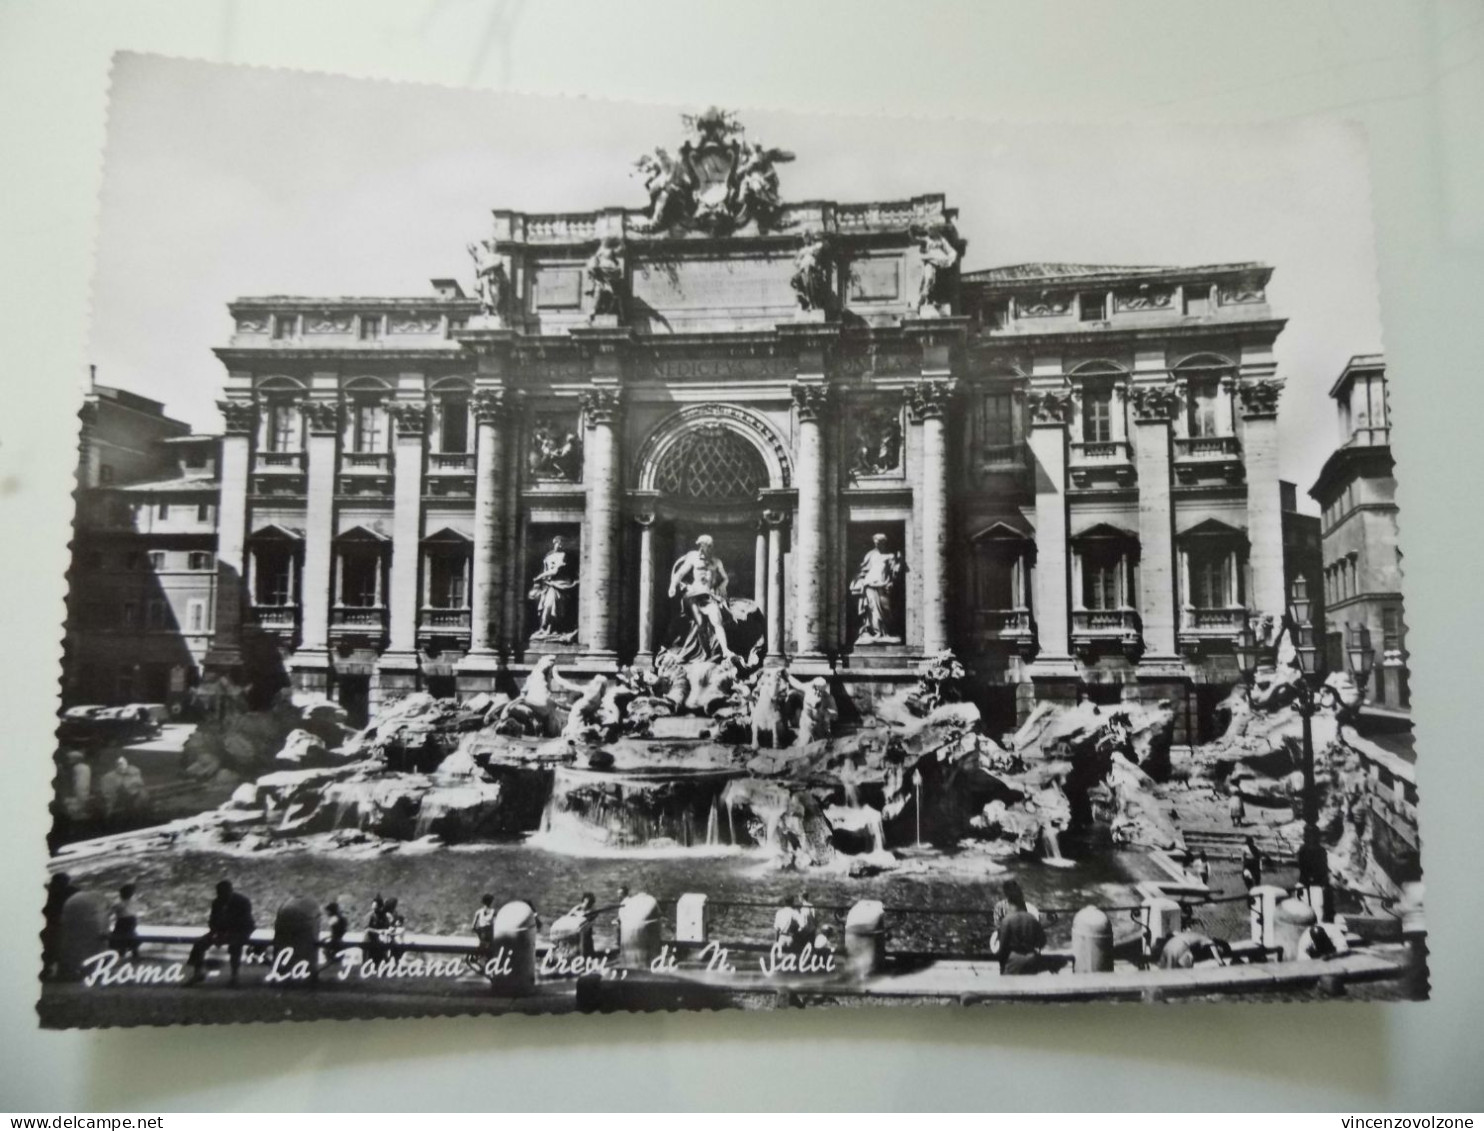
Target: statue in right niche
(874, 589)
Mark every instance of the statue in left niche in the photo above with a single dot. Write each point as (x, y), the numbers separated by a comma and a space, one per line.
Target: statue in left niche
(491, 279)
(551, 590)
(605, 277)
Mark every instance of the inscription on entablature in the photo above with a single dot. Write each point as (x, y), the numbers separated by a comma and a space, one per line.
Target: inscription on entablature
(683, 368)
(851, 363)
(573, 369)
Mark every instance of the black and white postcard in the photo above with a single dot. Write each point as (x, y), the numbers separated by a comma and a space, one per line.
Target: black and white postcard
(564, 556)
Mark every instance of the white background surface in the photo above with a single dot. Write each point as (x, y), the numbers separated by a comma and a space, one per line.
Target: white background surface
(1413, 73)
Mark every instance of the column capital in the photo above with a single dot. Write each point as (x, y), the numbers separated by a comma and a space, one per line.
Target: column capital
(930, 399)
(240, 416)
(411, 418)
(644, 519)
(811, 398)
(1049, 407)
(601, 405)
(321, 416)
(1259, 398)
(1154, 404)
(775, 518)
(491, 406)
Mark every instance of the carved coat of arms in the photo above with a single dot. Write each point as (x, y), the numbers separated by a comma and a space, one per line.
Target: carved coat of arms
(717, 182)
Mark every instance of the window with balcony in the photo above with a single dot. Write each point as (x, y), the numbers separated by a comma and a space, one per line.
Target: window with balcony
(1097, 412)
(274, 575)
(1197, 298)
(1201, 407)
(1102, 582)
(360, 579)
(1214, 577)
(202, 560)
(1092, 306)
(997, 314)
(453, 425)
(448, 580)
(156, 559)
(282, 426)
(368, 425)
(370, 327)
(1105, 568)
(285, 326)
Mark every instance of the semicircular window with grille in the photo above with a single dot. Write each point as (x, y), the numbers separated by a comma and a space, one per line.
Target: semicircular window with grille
(711, 463)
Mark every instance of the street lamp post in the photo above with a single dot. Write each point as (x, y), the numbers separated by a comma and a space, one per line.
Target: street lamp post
(1313, 692)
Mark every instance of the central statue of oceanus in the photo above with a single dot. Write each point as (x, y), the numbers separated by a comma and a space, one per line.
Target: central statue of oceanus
(712, 625)
(700, 580)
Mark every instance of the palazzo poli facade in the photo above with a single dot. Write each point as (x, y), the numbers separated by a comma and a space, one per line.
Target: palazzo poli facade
(1072, 469)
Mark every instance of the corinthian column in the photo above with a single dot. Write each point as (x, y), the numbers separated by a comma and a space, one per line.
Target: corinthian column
(646, 588)
(1049, 409)
(225, 654)
(489, 416)
(809, 539)
(1264, 501)
(601, 407)
(312, 660)
(928, 402)
(407, 499)
(1154, 407)
(773, 586)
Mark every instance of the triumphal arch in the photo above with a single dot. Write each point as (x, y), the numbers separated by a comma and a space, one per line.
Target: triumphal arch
(726, 424)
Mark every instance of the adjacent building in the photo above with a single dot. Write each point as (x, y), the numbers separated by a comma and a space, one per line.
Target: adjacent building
(1356, 491)
(1074, 465)
(142, 592)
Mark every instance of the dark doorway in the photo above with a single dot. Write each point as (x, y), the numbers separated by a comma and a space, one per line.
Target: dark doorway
(354, 694)
(1209, 722)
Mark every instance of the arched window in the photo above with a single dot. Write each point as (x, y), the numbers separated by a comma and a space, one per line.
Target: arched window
(711, 463)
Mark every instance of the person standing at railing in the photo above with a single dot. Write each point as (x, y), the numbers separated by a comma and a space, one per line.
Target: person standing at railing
(807, 928)
(378, 931)
(338, 926)
(396, 931)
(788, 927)
(484, 924)
(229, 924)
(58, 891)
(123, 937)
(1251, 864)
